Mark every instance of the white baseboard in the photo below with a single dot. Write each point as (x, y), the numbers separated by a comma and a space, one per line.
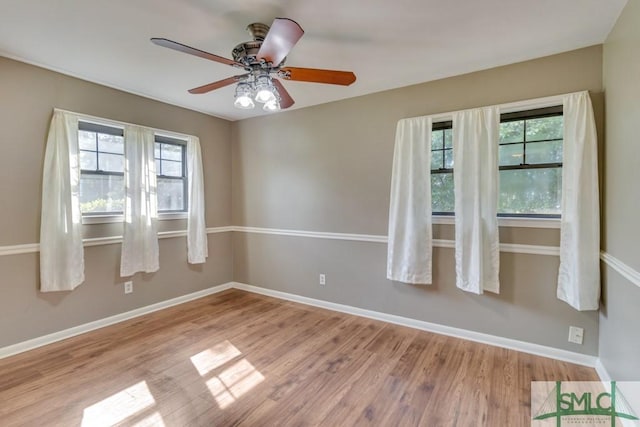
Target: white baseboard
(525, 347)
(537, 349)
(101, 323)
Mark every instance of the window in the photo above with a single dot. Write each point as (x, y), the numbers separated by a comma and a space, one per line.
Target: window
(171, 170)
(530, 159)
(530, 162)
(442, 201)
(102, 171)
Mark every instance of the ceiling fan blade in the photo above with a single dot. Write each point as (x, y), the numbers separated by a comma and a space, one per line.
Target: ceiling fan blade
(282, 36)
(315, 75)
(216, 85)
(286, 100)
(193, 51)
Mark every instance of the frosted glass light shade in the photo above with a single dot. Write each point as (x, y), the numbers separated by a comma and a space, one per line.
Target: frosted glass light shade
(272, 105)
(243, 97)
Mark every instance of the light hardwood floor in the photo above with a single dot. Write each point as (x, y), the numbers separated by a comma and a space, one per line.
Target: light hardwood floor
(237, 358)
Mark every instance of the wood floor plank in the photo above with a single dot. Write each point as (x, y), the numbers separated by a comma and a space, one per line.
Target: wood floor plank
(237, 358)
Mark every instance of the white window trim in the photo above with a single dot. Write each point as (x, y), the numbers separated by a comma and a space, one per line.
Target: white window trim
(506, 221)
(511, 107)
(115, 218)
(107, 218)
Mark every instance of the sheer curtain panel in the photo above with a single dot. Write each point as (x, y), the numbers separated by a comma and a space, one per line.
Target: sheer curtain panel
(140, 233)
(197, 249)
(409, 251)
(579, 273)
(61, 251)
(475, 179)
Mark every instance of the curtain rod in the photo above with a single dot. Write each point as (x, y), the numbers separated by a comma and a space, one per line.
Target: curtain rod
(117, 123)
(510, 107)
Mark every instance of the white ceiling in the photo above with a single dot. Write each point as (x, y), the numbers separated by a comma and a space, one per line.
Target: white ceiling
(387, 43)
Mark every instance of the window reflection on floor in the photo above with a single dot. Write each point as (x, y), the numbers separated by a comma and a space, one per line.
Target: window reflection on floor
(230, 383)
(234, 382)
(214, 357)
(120, 406)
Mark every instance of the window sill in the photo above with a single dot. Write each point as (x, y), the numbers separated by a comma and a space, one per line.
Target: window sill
(518, 222)
(111, 219)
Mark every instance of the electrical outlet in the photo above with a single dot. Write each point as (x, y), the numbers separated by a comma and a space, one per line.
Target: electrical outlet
(128, 287)
(323, 280)
(575, 334)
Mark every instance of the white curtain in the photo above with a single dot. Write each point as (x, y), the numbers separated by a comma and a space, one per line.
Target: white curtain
(140, 234)
(475, 176)
(61, 251)
(409, 249)
(579, 274)
(197, 249)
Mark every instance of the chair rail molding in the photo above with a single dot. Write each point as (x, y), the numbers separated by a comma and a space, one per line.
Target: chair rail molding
(625, 270)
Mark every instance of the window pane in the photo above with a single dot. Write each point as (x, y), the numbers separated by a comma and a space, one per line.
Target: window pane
(448, 138)
(110, 143)
(511, 154)
(448, 159)
(172, 152)
(171, 168)
(88, 160)
(101, 193)
(87, 140)
(111, 162)
(442, 199)
(544, 152)
(170, 194)
(512, 131)
(436, 159)
(544, 128)
(530, 191)
(156, 150)
(436, 140)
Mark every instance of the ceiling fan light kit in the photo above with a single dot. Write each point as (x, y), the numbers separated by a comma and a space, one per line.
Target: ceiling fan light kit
(260, 89)
(243, 96)
(264, 89)
(263, 59)
(272, 105)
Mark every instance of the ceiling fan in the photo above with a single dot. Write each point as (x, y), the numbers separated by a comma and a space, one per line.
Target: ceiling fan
(263, 59)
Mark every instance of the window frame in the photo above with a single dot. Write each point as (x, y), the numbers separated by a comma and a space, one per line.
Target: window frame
(510, 219)
(530, 114)
(85, 126)
(442, 126)
(161, 137)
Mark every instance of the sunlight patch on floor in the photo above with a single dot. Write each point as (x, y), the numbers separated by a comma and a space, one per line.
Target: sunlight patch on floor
(119, 406)
(214, 357)
(234, 382)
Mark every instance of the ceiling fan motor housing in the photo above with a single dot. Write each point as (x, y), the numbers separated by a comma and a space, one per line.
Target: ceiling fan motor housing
(258, 31)
(246, 52)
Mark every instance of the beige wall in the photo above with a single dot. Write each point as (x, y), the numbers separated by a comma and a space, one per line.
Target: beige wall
(325, 168)
(620, 317)
(27, 96)
(328, 168)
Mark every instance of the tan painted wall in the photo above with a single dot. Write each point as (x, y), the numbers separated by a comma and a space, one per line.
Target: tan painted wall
(27, 96)
(325, 168)
(620, 317)
(328, 168)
